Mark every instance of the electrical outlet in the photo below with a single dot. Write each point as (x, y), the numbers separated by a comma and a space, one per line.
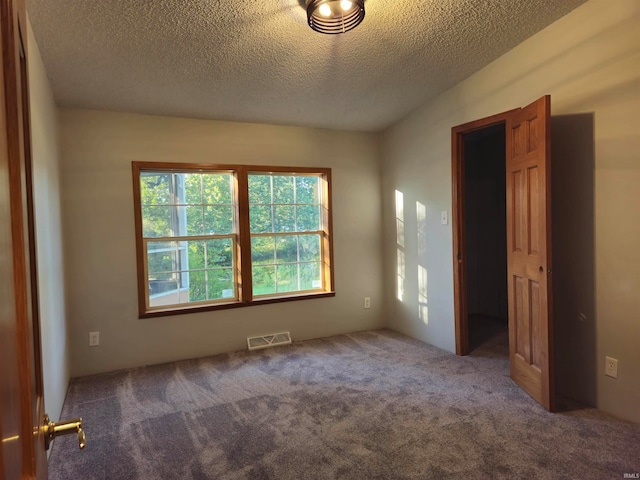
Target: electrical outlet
(367, 302)
(611, 367)
(94, 339)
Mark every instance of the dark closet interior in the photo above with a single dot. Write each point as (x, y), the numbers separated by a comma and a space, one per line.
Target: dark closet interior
(486, 235)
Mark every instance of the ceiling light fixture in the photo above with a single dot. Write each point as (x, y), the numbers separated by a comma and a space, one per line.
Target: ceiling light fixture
(334, 16)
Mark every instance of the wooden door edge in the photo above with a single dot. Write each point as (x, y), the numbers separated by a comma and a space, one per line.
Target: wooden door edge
(552, 407)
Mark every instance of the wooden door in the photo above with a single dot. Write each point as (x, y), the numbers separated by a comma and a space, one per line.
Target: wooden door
(23, 448)
(529, 250)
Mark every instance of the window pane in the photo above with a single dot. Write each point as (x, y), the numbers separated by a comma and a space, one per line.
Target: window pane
(282, 189)
(163, 290)
(263, 250)
(197, 286)
(162, 257)
(219, 253)
(192, 188)
(309, 248)
(195, 254)
(162, 283)
(218, 220)
(259, 189)
(308, 217)
(287, 249)
(220, 284)
(287, 278)
(261, 219)
(264, 280)
(284, 219)
(153, 246)
(193, 224)
(307, 189)
(310, 278)
(217, 188)
(156, 221)
(154, 188)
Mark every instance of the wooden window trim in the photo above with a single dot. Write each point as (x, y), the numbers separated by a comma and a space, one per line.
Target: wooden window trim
(243, 244)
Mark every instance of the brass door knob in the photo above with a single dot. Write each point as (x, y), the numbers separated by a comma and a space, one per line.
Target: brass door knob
(53, 430)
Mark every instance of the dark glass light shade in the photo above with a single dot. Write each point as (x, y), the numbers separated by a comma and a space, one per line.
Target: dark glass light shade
(331, 16)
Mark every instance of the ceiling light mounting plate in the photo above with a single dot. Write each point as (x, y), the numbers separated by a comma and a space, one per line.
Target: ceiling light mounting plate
(334, 16)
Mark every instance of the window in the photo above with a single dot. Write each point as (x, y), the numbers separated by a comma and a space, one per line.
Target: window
(230, 235)
(188, 230)
(286, 233)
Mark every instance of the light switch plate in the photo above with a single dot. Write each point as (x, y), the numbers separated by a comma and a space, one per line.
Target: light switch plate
(444, 217)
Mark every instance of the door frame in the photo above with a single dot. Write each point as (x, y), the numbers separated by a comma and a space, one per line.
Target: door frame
(25, 399)
(458, 222)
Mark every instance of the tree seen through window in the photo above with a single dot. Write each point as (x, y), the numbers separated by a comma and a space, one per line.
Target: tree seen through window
(197, 223)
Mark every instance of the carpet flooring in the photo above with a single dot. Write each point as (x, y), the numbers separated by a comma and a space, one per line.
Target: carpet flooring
(370, 405)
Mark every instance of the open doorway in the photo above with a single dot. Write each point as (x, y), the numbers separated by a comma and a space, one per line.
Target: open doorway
(526, 134)
(485, 220)
(479, 171)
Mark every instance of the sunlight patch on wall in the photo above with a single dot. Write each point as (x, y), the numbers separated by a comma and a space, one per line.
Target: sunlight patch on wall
(421, 219)
(399, 219)
(401, 274)
(400, 257)
(423, 309)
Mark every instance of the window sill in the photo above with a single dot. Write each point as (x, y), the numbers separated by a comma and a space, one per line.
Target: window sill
(236, 304)
(291, 298)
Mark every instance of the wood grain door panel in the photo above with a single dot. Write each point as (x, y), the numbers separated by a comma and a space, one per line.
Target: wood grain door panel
(23, 448)
(529, 250)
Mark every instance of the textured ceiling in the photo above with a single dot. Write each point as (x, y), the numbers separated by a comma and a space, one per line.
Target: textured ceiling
(258, 61)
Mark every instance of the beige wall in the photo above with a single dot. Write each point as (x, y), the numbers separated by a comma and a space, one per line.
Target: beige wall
(97, 151)
(589, 62)
(44, 140)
